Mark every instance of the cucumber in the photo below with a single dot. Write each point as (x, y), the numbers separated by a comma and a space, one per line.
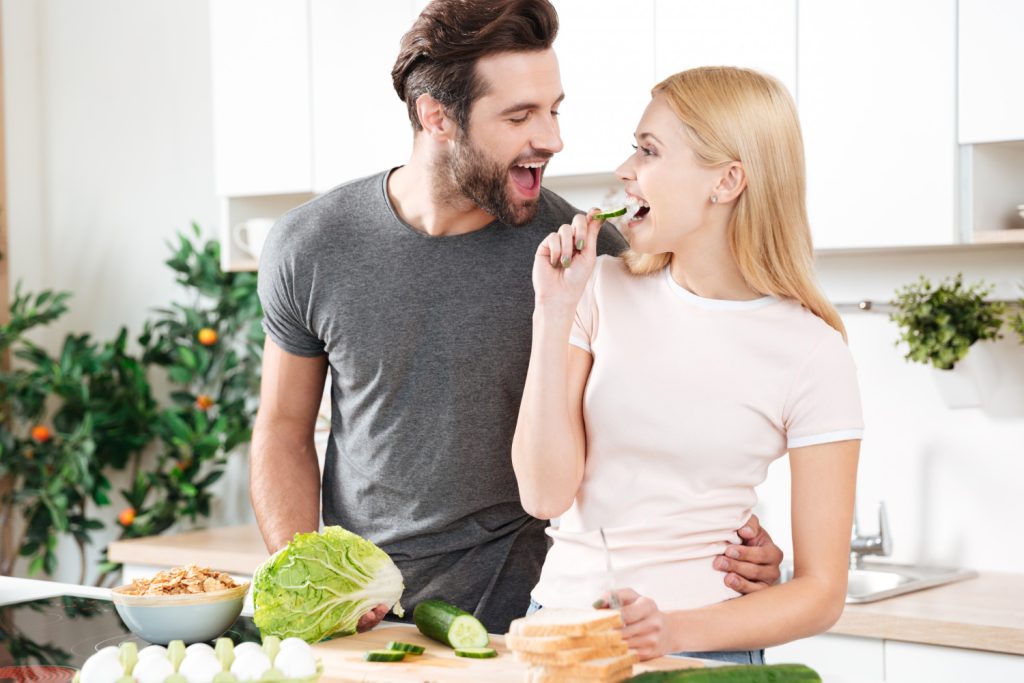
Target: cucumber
(610, 213)
(450, 625)
(476, 652)
(758, 673)
(384, 656)
(406, 647)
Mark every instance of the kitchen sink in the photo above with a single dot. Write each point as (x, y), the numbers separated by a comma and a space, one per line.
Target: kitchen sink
(876, 580)
(873, 581)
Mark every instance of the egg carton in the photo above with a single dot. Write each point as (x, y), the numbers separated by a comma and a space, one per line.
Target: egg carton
(118, 665)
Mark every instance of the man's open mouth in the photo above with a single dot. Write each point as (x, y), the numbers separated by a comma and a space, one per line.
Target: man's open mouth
(527, 176)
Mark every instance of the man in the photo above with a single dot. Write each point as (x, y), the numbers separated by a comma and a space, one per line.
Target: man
(413, 287)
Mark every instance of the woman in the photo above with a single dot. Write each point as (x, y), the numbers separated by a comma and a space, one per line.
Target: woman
(703, 354)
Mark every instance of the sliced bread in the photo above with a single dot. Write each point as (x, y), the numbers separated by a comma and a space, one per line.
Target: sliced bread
(572, 656)
(568, 621)
(541, 644)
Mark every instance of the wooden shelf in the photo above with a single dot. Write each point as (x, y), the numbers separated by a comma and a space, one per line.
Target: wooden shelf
(1015, 236)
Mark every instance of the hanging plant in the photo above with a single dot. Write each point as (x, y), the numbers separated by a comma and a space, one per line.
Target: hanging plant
(939, 324)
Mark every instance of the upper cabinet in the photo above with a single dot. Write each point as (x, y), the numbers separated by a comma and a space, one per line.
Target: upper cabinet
(261, 104)
(749, 33)
(302, 93)
(991, 88)
(877, 87)
(359, 124)
(606, 58)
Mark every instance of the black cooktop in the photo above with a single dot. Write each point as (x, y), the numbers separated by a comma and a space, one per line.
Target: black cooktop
(65, 630)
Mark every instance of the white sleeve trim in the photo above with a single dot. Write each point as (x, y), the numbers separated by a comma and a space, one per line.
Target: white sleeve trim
(579, 341)
(827, 437)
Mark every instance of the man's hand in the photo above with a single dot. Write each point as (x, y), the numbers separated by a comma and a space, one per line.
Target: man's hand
(372, 618)
(754, 565)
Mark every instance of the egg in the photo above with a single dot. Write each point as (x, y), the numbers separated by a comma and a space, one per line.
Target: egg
(152, 669)
(199, 667)
(249, 666)
(153, 651)
(247, 647)
(195, 648)
(295, 662)
(297, 643)
(102, 667)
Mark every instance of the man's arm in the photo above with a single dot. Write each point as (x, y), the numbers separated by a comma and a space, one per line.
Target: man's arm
(754, 565)
(284, 477)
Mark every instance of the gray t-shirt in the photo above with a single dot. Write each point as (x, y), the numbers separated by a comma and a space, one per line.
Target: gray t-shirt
(428, 341)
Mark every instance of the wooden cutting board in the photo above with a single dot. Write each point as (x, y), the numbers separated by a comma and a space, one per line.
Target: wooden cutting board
(343, 661)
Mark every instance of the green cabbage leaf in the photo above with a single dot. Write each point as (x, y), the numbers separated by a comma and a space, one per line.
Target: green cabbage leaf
(320, 584)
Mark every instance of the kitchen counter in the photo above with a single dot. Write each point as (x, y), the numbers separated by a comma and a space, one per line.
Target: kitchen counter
(984, 613)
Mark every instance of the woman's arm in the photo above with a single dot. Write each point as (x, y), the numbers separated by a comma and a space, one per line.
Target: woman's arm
(823, 483)
(548, 450)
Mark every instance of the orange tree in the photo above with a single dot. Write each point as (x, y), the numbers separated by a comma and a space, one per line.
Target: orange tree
(69, 421)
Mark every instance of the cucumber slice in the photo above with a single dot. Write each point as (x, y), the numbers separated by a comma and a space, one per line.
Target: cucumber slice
(384, 656)
(476, 652)
(406, 647)
(610, 213)
(450, 625)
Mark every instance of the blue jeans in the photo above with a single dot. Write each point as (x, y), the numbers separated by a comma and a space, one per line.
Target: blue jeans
(732, 656)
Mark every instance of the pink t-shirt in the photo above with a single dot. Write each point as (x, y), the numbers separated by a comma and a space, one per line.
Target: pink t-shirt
(688, 402)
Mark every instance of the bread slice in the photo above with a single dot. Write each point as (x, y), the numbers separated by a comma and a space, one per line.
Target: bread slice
(572, 656)
(555, 643)
(567, 621)
(594, 668)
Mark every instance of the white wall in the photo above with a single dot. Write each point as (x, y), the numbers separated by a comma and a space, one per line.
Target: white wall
(109, 153)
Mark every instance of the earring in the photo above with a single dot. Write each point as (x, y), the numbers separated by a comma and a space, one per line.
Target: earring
(714, 199)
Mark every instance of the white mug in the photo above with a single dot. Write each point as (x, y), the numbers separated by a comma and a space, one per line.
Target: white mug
(251, 234)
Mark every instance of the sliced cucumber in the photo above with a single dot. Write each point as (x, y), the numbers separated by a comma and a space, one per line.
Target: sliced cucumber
(384, 656)
(406, 647)
(450, 625)
(610, 213)
(476, 652)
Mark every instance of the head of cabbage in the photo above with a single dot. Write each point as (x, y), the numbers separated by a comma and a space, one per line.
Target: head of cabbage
(320, 584)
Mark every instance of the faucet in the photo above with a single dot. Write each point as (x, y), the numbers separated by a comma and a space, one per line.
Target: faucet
(870, 545)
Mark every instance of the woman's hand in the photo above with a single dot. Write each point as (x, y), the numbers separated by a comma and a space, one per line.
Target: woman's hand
(564, 262)
(646, 629)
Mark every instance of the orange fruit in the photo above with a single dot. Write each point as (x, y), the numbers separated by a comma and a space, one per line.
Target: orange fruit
(41, 434)
(207, 336)
(126, 517)
(204, 402)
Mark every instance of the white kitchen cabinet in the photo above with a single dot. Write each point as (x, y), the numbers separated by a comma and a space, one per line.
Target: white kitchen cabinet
(261, 98)
(606, 57)
(991, 90)
(748, 33)
(912, 662)
(359, 124)
(877, 94)
(830, 654)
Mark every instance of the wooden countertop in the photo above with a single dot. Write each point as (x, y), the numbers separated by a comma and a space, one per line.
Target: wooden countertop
(984, 613)
(233, 549)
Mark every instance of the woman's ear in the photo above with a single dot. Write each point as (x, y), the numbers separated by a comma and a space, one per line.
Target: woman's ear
(434, 118)
(731, 183)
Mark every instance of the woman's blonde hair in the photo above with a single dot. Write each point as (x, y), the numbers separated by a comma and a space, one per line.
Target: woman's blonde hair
(741, 115)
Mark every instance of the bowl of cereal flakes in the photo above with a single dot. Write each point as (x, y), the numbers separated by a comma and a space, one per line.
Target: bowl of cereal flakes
(193, 604)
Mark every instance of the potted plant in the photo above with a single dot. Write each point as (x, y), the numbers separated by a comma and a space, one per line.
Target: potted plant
(940, 325)
(71, 419)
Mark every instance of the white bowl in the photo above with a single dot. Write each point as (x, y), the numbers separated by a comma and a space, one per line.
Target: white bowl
(193, 618)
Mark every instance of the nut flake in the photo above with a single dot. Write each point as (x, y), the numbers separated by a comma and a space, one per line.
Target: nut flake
(181, 581)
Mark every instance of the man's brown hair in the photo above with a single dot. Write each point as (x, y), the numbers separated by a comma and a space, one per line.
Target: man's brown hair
(439, 53)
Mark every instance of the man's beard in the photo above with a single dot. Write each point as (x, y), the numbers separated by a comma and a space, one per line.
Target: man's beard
(471, 173)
